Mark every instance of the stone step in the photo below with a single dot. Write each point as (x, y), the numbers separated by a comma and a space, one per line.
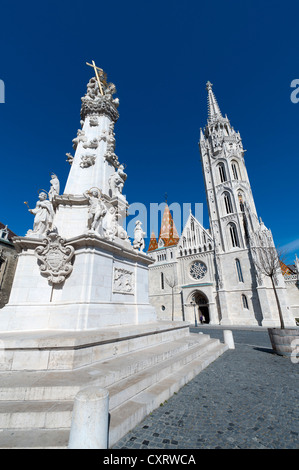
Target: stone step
(123, 417)
(122, 391)
(49, 414)
(62, 385)
(35, 414)
(34, 439)
(72, 350)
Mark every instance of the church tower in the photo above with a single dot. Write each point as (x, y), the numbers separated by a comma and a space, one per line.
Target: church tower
(243, 297)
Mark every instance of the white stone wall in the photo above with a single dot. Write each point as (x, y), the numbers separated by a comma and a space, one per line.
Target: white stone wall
(293, 295)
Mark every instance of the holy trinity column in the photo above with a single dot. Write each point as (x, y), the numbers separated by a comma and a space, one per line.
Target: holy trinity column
(77, 267)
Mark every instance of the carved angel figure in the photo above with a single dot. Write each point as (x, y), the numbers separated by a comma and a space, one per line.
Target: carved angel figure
(87, 161)
(138, 243)
(44, 214)
(117, 181)
(55, 187)
(92, 144)
(80, 138)
(92, 88)
(97, 209)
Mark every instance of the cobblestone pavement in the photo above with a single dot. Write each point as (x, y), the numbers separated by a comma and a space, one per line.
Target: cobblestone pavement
(246, 399)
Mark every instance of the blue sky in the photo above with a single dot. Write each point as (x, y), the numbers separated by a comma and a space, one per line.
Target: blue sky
(160, 54)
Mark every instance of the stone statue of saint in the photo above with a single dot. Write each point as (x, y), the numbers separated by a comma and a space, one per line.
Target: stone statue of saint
(117, 181)
(55, 187)
(44, 214)
(138, 243)
(97, 209)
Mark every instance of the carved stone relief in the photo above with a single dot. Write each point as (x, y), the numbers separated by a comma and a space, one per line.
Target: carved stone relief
(55, 258)
(92, 144)
(87, 161)
(123, 281)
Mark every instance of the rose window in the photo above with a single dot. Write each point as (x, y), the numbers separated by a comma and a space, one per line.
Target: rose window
(198, 270)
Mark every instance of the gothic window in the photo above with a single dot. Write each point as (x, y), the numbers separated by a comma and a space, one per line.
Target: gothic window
(235, 170)
(239, 270)
(192, 225)
(198, 270)
(245, 302)
(188, 236)
(228, 203)
(241, 202)
(184, 242)
(198, 235)
(222, 173)
(162, 281)
(233, 235)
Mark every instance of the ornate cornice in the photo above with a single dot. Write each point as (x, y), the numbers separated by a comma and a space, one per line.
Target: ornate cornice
(101, 105)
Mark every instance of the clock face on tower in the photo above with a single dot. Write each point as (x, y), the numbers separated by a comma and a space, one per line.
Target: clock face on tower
(198, 270)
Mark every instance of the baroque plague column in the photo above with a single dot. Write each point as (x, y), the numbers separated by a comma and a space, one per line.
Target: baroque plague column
(77, 268)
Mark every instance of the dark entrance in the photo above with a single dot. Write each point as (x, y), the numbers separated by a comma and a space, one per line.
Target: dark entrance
(202, 306)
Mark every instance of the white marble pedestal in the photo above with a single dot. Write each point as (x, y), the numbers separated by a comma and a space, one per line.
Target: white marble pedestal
(108, 286)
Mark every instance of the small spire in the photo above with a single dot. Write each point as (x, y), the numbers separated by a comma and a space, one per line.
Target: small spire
(153, 245)
(213, 107)
(202, 137)
(168, 231)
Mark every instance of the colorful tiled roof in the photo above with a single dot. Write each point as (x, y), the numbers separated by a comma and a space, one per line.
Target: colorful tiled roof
(168, 232)
(285, 269)
(153, 244)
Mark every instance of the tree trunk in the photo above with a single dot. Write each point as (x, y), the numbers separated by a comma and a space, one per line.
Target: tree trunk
(172, 310)
(278, 303)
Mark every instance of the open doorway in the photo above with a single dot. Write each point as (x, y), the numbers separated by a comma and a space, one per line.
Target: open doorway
(202, 307)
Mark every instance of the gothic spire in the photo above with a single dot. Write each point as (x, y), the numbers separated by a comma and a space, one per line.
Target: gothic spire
(153, 245)
(213, 107)
(168, 231)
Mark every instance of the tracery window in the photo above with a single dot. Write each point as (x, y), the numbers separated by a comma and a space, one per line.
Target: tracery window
(241, 202)
(235, 170)
(239, 270)
(198, 270)
(233, 235)
(228, 203)
(222, 173)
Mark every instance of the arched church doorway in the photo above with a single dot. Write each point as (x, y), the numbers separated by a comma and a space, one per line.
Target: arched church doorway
(202, 306)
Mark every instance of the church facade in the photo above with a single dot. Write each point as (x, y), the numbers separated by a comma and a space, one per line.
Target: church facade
(228, 274)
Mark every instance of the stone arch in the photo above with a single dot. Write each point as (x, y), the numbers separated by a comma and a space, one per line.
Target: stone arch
(201, 302)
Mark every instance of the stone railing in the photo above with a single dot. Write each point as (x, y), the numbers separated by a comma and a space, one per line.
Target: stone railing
(291, 278)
